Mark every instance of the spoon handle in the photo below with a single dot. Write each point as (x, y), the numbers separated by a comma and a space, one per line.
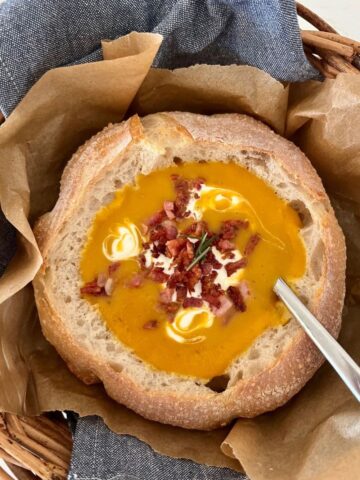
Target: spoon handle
(341, 361)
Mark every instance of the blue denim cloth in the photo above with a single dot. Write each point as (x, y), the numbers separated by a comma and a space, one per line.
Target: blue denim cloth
(37, 35)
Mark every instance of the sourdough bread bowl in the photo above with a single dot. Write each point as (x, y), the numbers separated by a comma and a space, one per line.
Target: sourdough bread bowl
(278, 361)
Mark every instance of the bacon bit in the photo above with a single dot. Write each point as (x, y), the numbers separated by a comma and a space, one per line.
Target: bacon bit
(192, 277)
(190, 250)
(251, 244)
(158, 275)
(113, 267)
(181, 293)
(158, 234)
(170, 230)
(136, 281)
(177, 278)
(225, 245)
(92, 288)
(237, 298)
(142, 260)
(169, 209)
(197, 183)
(192, 302)
(225, 308)
(151, 324)
(244, 289)
(229, 228)
(210, 257)
(182, 260)
(174, 246)
(230, 255)
(182, 195)
(197, 229)
(206, 268)
(212, 300)
(166, 296)
(156, 218)
(171, 307)
(109, 286)
(101, 279)
(234, 266)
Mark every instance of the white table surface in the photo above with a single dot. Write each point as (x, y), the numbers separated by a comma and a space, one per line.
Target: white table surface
(343, 15)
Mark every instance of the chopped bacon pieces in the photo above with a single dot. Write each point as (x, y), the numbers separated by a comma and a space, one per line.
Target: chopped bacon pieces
(235, 295)
(103, 284)
(230, 228)
(169, 208)
(174, 246)
(158, 275)
(243, 286)
(192, 261)
(225, 245)
(192, 302)
(101, 279)
(170, 308)
(170, 229)
(206, 268)
(92, 288)
(166, 295)
(251, 244)
(163, 232)
(113, 267)
(181, 292)
(197, 229)
(210, 257)
(151, 325)
(232, 267)
(156, 218)
(224, 309)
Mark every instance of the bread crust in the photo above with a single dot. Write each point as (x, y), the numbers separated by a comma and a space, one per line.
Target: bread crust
(265, 391)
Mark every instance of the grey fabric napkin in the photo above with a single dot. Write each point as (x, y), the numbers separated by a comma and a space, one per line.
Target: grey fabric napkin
(36, 35)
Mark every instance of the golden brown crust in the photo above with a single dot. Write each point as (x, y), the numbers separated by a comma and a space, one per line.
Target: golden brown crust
(265, 391)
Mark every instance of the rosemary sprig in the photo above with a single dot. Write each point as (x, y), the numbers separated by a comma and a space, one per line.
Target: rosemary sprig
(202, 250)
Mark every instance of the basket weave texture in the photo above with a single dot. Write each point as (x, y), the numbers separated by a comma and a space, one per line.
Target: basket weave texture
(40, 447)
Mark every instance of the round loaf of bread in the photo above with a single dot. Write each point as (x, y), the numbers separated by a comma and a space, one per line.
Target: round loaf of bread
(280, 361)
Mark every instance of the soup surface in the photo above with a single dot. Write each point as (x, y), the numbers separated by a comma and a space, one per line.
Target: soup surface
(181, 264)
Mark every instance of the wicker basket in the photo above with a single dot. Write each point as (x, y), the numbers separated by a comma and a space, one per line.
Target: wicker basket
(40, 447)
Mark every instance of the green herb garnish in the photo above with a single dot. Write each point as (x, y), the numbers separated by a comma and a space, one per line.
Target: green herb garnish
(202, 250)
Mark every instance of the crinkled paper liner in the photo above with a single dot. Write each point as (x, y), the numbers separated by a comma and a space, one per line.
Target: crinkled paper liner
(317, 434)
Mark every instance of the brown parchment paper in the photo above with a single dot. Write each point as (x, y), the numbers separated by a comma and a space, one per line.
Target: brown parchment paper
(317, 434)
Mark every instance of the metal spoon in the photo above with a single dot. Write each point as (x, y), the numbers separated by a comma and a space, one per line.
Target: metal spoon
(341, 361)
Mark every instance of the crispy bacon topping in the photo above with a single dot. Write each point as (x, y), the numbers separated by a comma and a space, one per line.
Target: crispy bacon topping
(169, 208)
(192, 302)
(92, 288)
(225, 245)
(230, 228)
(237, 298)
(251, 244)
(158, 275)
(166, 296)
(234, 266)
(224, 309)
(113, 267)
(182, 259)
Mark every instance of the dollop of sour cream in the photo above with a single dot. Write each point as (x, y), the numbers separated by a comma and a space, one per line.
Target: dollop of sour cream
(123, 242)
(213, 198)
(187, 323)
